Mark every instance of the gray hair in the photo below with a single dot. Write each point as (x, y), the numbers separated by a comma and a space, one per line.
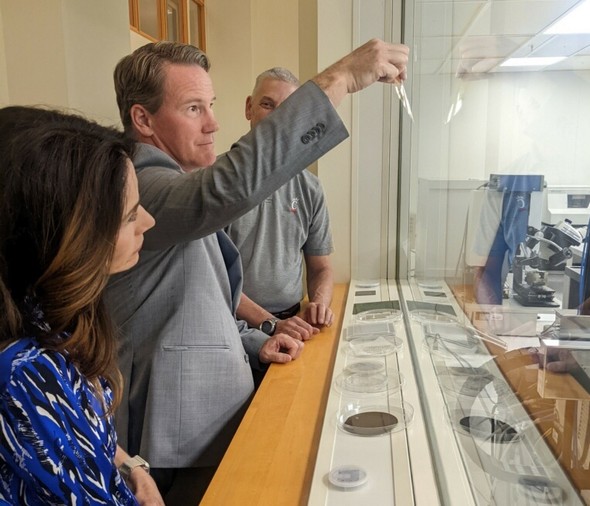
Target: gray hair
(278, 74)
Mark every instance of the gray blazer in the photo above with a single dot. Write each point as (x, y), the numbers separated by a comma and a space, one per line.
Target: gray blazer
(184, 356)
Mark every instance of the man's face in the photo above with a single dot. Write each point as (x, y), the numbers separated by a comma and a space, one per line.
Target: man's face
(184, 125)
(266, 98)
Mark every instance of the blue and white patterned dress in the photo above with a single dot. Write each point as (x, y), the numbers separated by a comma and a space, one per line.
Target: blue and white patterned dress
(56, 445)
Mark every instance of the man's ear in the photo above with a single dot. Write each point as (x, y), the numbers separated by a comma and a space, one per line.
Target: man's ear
(141, 120)
(248, 109)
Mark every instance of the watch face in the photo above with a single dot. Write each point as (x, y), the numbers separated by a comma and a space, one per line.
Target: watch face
(268, 326)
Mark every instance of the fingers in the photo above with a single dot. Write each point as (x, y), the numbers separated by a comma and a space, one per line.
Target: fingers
(319, 314)
(297, 328)
(280, 349)
(375, 60)
(389, 61)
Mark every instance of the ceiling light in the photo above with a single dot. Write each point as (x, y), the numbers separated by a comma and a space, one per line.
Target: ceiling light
(575, 21)
(532, 61)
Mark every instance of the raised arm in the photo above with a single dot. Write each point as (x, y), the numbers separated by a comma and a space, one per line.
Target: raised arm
(302, 129)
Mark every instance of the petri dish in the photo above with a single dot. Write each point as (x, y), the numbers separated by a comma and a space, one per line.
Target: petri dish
(449, 346)
(368, 383)
(490, 428)
(541, 490)
(484, 385)
(365, 366)
(430, 315)
(357, 330)
(375, 345)
(452, 340)
(378, 315)
(430, 285)
(369, 283)
(374, 419)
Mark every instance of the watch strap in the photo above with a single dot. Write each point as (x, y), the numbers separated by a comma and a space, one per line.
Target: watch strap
(131, 463)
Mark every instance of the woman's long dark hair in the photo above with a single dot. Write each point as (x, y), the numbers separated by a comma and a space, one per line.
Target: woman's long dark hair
(62, 197)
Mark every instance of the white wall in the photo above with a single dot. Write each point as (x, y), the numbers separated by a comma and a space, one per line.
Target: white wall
(3, 73)
(527, 122)
(62, 53)
(335, 168)
(243, 39)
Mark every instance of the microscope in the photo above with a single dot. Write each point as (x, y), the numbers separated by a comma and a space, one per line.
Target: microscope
(543, 250)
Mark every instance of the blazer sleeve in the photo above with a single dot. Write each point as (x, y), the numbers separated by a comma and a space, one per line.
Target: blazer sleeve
(189, 206)
(252, 339)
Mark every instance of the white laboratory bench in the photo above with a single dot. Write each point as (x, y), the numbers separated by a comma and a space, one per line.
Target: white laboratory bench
(475, 423)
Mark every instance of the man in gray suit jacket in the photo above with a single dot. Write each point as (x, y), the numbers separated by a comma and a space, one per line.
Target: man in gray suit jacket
(185, 358)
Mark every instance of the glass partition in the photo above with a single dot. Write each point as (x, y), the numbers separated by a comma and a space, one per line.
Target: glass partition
(494, 206)
(499, 92)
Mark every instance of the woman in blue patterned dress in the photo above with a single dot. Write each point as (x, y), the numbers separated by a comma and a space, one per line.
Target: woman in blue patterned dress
(69, 217)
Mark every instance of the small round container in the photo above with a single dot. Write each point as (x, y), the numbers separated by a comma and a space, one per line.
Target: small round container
(487, 386)
(365, 366)
(430, 285)
(368, 383)
(348, 476)
(450, 347)
(462, 372)
(374, 419)
(369, 283)
(453, 340)
(357, 330)
(375, 345)
(378, 315)
(431, 315)
(490, 428)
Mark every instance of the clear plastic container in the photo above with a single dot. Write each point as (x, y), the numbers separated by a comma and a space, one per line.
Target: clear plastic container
(485, 386)
(365, 366)
(431, 315)
(452, 340)
(374, 345)
(492, 428)
(357, 330)
(367, 419)
(368, 382)
(378, 315)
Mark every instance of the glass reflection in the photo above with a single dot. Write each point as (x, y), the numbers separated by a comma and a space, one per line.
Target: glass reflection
(498, 192)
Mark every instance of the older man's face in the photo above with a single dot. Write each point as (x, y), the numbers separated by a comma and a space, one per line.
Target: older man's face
(266, 98)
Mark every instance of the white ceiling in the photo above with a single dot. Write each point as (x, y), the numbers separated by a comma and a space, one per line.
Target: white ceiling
(472, 37)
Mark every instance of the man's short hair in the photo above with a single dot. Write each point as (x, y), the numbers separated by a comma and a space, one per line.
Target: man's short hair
(139, 77)
(278, 74)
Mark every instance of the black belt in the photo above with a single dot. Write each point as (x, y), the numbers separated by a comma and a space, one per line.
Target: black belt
(288, 313)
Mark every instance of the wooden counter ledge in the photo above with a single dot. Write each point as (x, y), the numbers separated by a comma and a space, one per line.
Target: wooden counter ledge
(271, 458)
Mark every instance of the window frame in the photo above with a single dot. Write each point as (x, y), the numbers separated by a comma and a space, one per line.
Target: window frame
(184, 8)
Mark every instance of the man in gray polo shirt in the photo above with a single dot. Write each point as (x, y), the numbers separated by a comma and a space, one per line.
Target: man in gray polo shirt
(274, 237)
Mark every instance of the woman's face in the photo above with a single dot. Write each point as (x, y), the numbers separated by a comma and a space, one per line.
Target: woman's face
(136, 220)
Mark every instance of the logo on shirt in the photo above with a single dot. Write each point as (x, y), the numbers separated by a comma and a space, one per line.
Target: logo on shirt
(294, 204)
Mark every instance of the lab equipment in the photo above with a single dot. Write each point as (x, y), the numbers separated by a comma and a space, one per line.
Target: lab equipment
(542, 251)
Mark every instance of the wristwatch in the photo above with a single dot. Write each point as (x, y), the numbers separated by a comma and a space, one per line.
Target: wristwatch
(131, 463)
(269, 326)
